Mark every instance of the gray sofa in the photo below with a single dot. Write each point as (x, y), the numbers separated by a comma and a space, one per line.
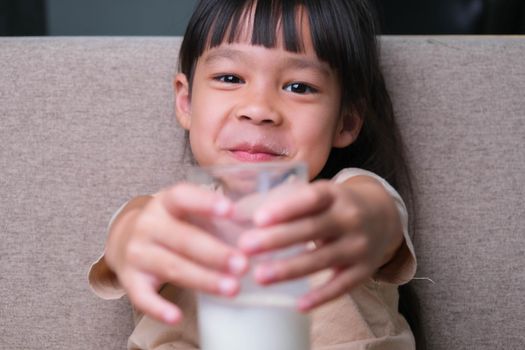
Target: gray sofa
(87, 123)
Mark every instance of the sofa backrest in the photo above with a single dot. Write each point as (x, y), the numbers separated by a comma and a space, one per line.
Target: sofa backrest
(87, 123)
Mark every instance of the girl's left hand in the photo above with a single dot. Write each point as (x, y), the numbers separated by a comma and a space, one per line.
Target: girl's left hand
(355, 226)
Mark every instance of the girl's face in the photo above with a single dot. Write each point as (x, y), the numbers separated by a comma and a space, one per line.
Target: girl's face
(251, 104)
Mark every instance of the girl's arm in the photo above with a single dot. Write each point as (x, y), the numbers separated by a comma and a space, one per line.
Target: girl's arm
(401, 268)
(102, 280)
(382, 213)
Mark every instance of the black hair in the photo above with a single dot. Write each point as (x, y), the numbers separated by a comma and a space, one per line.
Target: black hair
(343, 34)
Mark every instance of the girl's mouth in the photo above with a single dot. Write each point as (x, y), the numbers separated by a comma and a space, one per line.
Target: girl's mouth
(255, 153)
(244, 156)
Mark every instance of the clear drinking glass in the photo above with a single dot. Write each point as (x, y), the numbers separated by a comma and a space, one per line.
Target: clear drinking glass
(259, 317)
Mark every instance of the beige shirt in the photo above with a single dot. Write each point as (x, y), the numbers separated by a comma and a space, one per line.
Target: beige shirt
(366, 318)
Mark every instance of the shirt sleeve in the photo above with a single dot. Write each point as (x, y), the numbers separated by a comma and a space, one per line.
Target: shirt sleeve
(402, 267)
(102, 281)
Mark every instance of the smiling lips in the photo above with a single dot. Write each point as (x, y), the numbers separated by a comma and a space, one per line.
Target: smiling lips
(257, 152)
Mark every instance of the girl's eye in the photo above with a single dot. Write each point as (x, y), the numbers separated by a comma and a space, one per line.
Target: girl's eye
(229, 79)
(300, 88)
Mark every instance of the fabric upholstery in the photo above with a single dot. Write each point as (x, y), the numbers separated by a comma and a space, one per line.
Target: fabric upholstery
(87, 123)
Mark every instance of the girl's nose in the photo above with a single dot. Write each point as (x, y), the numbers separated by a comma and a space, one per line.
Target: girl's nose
(260, 110)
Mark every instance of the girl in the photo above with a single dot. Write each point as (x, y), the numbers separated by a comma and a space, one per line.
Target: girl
(276, 80)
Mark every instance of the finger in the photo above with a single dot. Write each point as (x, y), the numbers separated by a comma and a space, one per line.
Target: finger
(184, 199)
(345, 251)
(142, 294)
(199, 246)
(304, 200)
(313, 228)
(303, 264)
(341, 282)
(169, 267)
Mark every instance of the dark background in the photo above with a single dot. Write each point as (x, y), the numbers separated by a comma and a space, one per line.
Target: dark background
(169, 17)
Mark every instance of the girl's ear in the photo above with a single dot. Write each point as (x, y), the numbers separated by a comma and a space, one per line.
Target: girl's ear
(182, 100)
(348, 129)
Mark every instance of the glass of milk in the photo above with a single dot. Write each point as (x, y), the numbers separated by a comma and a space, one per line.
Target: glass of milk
(259, 317)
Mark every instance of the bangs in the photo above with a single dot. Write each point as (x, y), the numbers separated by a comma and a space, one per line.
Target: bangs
(269, 19)
(226, 21)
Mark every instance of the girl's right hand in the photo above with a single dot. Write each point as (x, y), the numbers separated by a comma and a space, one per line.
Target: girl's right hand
(154, 244)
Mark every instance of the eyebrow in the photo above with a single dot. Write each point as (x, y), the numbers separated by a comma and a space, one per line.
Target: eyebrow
(301, 63)
(236, 55)
(224, 53)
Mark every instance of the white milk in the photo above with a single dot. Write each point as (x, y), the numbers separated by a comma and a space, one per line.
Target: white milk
(252, 322)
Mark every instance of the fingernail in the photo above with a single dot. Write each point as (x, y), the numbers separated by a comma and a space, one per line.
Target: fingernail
(227, 286)
(237, 264)
(304, 304)
(250, 244)
(264, 273)
(262, 218)
(222, 207)
(171, 316)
